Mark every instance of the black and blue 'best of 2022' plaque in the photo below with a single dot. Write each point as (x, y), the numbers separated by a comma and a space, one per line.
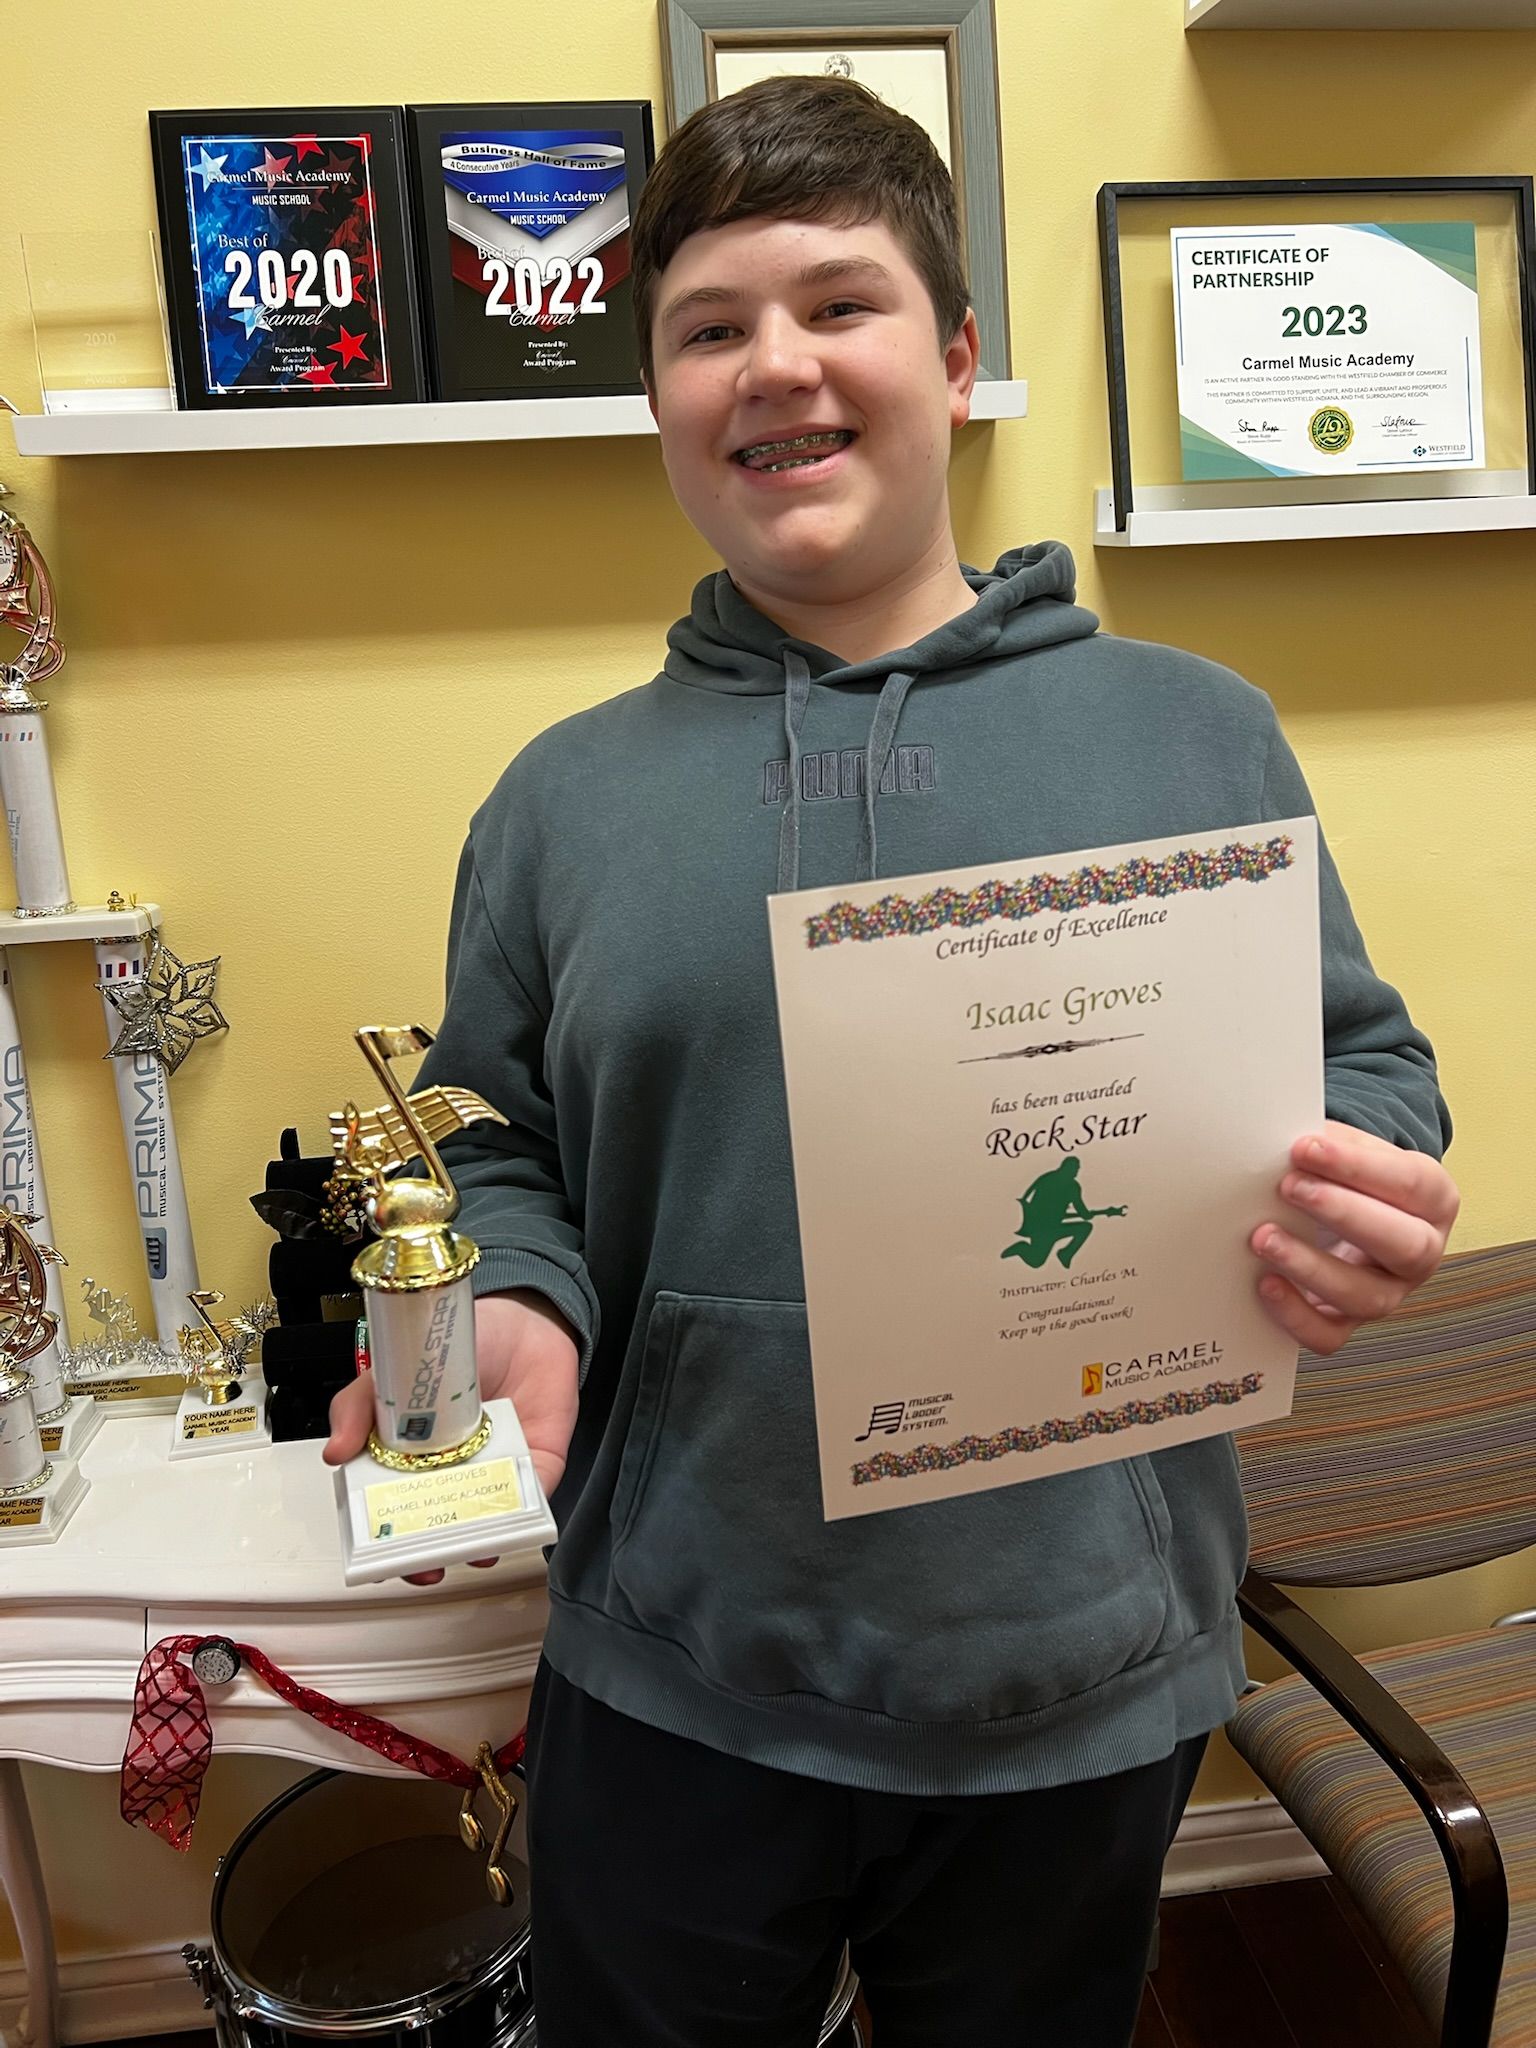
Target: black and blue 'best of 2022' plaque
(522, 220)
(285, 242)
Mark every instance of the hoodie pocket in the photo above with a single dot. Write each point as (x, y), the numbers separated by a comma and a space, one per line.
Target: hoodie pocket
(994, 1604)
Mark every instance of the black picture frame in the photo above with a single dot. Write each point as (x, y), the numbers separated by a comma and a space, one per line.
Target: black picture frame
(466, 359)
(380, 233)
(1522, 189)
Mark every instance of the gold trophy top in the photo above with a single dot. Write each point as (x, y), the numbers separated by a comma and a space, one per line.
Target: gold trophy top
(416, 1245)
(213, 1358)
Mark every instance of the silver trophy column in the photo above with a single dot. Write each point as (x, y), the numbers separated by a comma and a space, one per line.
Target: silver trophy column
(23, 1188)
(26, 774)
(31, 807)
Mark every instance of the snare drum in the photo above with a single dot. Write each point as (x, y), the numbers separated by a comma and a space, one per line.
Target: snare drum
(350, 1911)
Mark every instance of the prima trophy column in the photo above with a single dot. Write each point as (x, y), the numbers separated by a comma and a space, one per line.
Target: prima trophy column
(22, 1187)
(154, 1161)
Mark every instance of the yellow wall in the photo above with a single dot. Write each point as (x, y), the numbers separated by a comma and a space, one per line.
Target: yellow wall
(270, 653)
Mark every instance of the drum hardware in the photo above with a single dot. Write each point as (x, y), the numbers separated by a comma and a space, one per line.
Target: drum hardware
(497, 1882)
(200, 1969)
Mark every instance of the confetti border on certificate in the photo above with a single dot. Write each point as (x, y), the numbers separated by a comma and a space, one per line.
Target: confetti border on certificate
(1174, 875)
(1070, 1429)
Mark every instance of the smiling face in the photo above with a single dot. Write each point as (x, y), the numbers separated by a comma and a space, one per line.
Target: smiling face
(806, 400)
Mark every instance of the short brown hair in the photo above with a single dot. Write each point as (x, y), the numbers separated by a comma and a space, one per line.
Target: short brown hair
(800, 148)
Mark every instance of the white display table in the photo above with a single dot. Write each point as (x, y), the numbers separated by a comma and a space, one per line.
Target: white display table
(246, 1546)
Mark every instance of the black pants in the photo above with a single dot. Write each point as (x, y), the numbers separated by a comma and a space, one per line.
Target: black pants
(686, 1899)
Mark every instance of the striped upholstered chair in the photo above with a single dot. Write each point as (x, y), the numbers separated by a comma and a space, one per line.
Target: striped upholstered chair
(1412, 1771)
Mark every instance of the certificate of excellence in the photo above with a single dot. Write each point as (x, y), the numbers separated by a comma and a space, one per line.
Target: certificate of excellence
(523, 215)
(1327, 349)
(286, 266)
(1037, 1110)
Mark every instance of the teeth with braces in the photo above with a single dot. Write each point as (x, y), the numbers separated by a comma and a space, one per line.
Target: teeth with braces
(823, 443)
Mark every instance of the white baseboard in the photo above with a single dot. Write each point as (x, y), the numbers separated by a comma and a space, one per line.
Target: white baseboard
(147, 1990)
(1247, 1841)
(114, 1997)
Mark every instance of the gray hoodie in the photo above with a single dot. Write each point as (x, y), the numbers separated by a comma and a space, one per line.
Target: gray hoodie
(610, 990)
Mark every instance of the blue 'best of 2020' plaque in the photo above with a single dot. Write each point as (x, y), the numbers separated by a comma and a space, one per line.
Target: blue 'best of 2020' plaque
(286, 263)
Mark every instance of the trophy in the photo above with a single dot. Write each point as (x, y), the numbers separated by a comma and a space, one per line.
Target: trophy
(29, 1293)
(37, 1494)
(443, 1479)
(26, 778)
(222, 1408)
(155, 1006)
(115, 1367)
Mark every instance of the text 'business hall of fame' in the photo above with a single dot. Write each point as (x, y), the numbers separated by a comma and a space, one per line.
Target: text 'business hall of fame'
(285, 243)
(522, 218)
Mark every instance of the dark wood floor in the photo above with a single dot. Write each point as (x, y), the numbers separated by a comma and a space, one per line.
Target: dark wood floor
(1276, 1966)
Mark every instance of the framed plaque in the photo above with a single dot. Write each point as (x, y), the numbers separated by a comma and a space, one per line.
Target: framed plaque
(522, 218)
(1318, 341)
(285, 249)
(933, 60)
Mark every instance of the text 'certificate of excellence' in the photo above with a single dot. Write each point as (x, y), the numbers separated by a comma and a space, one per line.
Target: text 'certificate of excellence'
(1037, 1110)
(1328, 350)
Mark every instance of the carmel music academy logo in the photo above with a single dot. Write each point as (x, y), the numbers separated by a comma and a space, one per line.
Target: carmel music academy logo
(1105, 1375)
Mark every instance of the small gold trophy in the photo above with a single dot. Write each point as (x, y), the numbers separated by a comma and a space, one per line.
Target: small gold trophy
(444, 1478)
(222, 1408)
(37, 1494)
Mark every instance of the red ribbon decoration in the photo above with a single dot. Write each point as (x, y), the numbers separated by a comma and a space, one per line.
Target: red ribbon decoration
(170, 1740)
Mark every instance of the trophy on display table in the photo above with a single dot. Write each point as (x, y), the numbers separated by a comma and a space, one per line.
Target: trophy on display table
(222, 1408)
(155, 1006)
(37, 1494)
(444, 1479)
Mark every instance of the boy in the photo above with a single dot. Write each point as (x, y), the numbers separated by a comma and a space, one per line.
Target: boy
(958, 1736)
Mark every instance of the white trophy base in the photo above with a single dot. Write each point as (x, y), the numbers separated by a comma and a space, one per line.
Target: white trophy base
(492, 1505)
(144, 1381)
(203, 1430)
(39, 1514)
(68, 1434)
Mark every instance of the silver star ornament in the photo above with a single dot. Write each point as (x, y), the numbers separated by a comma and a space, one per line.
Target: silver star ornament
(169, 1010)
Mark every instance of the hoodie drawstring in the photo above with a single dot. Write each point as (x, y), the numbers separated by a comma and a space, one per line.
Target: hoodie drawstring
(797, 694)
(882, 736)
(877, 752)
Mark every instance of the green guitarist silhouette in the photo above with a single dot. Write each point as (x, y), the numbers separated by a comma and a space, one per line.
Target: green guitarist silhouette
(1053, 1218)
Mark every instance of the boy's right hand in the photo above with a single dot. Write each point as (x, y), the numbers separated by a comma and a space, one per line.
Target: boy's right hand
(526, 1352)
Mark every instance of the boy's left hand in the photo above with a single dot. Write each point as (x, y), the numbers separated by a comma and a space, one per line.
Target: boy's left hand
(1385, 1216)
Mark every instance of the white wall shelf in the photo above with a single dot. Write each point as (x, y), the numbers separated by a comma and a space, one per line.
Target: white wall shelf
(1360, 14)
(93, 921)
(374, 426)
(1202, 528)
